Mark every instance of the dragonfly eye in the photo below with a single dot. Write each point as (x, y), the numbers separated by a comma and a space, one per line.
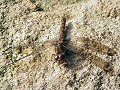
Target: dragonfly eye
(56, 57)
(60, 57)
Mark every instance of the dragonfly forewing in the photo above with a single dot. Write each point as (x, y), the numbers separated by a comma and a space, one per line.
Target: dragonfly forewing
(23, 51)
(93, 45)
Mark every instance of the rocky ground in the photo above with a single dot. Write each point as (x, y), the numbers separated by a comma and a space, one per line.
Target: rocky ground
(27, 28)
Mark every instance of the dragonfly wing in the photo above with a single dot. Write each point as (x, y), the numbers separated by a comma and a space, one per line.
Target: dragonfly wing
(16, 53)
(93, 45)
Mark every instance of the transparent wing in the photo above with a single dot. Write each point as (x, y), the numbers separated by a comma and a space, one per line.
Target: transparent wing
(106, 66)
(41, 45)
(17, 53)
(91, 44)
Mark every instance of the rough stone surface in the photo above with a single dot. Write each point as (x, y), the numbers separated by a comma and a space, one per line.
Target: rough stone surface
(27, 28)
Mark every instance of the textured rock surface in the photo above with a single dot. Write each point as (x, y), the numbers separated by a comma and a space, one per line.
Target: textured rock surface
(28, 66)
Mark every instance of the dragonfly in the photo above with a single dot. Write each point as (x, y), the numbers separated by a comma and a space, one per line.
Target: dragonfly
(62, 49)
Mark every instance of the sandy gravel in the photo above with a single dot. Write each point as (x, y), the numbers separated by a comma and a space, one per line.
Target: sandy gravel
(27, 28)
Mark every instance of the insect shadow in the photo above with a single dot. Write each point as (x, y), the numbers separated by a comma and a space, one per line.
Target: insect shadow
(69, 54)
(78, 54)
